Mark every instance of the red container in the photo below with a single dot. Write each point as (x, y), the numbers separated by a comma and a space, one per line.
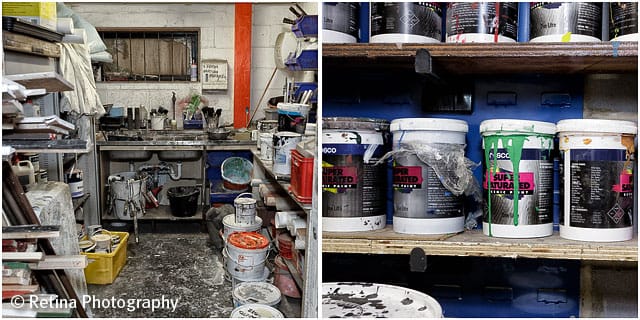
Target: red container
(301, 177)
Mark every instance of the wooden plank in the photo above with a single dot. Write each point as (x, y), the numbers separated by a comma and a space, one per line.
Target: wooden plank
(110, 43)
(51, 81)
(61, 262)
(165, 56)
(137, 57)
(22, 43)
(22, 256)
(152, 57)
(30, 232)
(123, 55)
(474, 243)
(179, 65)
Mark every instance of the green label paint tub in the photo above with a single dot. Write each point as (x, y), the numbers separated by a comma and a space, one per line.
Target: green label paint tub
(518, 178)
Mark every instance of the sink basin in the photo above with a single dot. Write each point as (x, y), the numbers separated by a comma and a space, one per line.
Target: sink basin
(130, 155)
(179, 155)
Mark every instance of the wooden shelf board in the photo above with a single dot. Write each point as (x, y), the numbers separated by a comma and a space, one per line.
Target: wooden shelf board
(474, 243)
(51, 81)
(493, 58)
(22, 43)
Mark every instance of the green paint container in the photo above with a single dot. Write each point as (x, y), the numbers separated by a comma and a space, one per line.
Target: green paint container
(517, 178)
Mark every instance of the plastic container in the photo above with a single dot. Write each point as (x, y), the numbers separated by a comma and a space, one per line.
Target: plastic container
(283, 143)
(25, 172)
(482, 22)
(372, 300)
(284, 280)
(353, 186)
(256, 311)
(76, 185)
(597, 185)
(121, 192)
(183, 201)
(265, 126)
(566, 21)
(406, 22)
(340, 22)
(432, 151)
(247, 254)
(256, 292)
(104, 268)
(266, 146)
(301, 177)
(245, 209)
(292, 117)
(623, 24)
(517, 161)
(230, 225)
(236, 173)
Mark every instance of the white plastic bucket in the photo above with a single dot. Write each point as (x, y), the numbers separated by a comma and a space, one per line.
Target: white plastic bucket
(256, 293)
(482, 22)
(292, 117)
(264, 126)
(517, 158)
(353, 187)
(340, 22)
(256, 311)
(406, 22)
(245, 208)
(231, 226)
(373, 300)
(422, 203)
(120, 194)
(283, 143)
(597, 184)
(25, 173)
(266, 146)
(246, 255)
(566, 21)
(623, 25)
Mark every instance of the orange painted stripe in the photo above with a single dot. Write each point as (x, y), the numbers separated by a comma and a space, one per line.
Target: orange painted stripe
(242, 65)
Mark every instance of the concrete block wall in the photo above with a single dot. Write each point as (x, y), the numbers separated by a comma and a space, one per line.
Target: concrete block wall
(216, 23)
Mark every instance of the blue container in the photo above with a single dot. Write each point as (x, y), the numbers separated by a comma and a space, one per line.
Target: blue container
(306, 26)
(307, 60)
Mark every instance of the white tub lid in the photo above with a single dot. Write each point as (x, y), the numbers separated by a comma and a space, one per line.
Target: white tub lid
(597, 125)
(256, 292)
(287, 134)
(430, 124)
(256, 311)
(371, 300)
(230, 220)
(517, 125)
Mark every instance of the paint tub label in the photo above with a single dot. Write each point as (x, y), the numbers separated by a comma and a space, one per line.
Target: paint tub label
(566, 18)
(419, 18)
(623, 19)
(494, 18)
(407, 178)
(351, 186)
(518, 182)
(341, 17)
(601, 190)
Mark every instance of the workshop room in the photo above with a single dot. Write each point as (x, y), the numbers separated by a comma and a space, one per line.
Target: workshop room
(158, 159)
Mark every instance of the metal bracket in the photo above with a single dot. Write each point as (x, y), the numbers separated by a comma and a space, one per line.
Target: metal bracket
(417, 260)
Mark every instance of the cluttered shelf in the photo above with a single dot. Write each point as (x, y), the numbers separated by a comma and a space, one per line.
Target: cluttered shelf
(491, 58)
(475, 243)
(282, 181)
(160, 213)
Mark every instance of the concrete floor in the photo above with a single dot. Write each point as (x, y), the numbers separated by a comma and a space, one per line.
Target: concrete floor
(177, 266)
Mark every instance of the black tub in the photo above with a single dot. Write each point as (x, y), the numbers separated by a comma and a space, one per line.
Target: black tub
(183, 201)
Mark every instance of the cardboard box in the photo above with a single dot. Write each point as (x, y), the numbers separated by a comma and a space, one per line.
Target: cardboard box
(40, 13)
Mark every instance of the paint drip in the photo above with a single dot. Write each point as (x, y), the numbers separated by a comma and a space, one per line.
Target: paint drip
(482, 22)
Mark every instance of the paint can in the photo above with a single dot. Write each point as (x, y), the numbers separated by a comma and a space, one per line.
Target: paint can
(256, 311)
(121, 193)
(34, 158)
(566, 21)
(406, 22)
(292, 117)
(235, 281)
(597, 185)
(256, 292)
(372, 300)
(245, 208)
(247, 254)
(482, 22)
(266, 146)
(42, 176)
(518, 161)
(265, 126)
(623, 24)
(423, 150)
(340, 22)
(76, 185)
(230, 226)
(283, 143)
(353, 186)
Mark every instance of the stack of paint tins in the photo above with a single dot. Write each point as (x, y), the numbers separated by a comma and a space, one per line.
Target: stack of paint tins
(244, 219)
(596, 178)
(245, 255)
(353, 184)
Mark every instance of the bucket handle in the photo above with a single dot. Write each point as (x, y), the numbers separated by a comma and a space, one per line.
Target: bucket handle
(245, 193)
(226, 251)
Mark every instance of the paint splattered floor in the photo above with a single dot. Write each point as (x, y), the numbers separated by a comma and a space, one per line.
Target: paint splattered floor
(176, 266)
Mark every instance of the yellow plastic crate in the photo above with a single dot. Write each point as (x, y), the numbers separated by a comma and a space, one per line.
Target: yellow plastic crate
(106, 266)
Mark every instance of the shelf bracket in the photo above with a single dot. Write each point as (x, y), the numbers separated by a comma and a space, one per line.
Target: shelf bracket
(423, 65)
(417, 260)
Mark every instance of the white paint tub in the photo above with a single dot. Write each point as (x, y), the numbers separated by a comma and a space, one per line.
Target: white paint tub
(422, 203)
(341, 22)
(283, 143)
(597, 178)
(245, 208)
(231, 226)
(517, 161)
(372, 300)
(566, 21)
(266, 146)
(256, 293)
(469, 22)
(246, 255)
(406, 22)
(256, 311)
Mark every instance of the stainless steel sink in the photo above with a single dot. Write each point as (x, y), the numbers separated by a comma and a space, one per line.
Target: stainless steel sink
(179, 155)
(130, 155)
